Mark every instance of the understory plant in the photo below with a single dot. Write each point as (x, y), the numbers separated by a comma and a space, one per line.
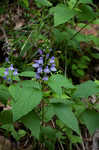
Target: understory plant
(36, 82)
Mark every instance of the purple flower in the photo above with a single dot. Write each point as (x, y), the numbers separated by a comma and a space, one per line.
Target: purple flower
(4, 77)
(47, 56)
(36, 61)
(11, 67)
(40, 61)
(45, 78)
(46, 70)
(36, 65)
(15, 72)
(52, 60)
(37, 76)
(6, 72)
(9, 79)
(52, 68)
(6, 59)
(40, 51)
(39, 70)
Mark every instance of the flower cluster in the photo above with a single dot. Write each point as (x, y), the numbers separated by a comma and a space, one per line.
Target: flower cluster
(9, 73)
(44, 65)
(7, 60)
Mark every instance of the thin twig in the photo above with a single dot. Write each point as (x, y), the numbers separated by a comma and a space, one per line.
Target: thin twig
(83, 147)
(26, 41)
(82, 29)
(77, 147)
(86, 143)
(4, 33)
(58, 140)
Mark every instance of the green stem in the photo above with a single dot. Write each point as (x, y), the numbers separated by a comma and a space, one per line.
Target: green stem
(65, 63)
(76, 3)
(82, 29)
(42, 105)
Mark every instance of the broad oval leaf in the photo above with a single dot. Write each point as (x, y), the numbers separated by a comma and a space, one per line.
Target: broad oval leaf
(56, 82)
(41, 3)
(65, 114)
(32, 121)
(62, 14)
(91, 119)
(86, 89)
(27, 74)
(25, 100)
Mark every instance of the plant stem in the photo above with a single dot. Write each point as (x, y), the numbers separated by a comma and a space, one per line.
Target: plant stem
(82, 29)
(76, 3)
(42, 107)
(65, 63)
(58, 140)
(83, 147)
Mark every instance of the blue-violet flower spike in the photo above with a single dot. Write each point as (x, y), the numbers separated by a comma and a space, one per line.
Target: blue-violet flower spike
(46, 70)
(39, 70)
(6, 72)
(53, 68)
(15, 72)
(9, 79)
(5, 78)
(11, 67)
(36, 65)
(37, 76)
(52, 60)
(47, 56)
(40, 61)
(45, 78)
(6, 59)
(40, 51)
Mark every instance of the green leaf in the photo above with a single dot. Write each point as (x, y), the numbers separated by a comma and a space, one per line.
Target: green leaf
(75, 139)
(41, 3)
(27, 74)
(96, 21)
(60, 100)
(86, 89)
(24, 3)
(87, 13)
(79, 108)
(49, 132)
(96, 55)
(65, 114)
(56, 82)
(62, 14)
(32, 121)
(59, 36)
(10, 128)
(49, 112)
(2, 70)
(6, 117)
(74, 67)
(25, 100)
(21, 133)
(4, 94)
(91, 119)
(30, 84)
(80, 73)
(72, 3)
(86, 1)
